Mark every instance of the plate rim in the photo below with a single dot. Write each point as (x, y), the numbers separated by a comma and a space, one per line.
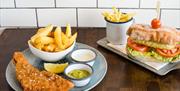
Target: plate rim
(91, 87)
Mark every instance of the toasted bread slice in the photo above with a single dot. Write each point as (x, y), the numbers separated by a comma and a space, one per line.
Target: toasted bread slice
(163, 35)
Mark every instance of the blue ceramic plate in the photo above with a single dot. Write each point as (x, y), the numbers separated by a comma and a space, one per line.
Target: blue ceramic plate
(100, 69)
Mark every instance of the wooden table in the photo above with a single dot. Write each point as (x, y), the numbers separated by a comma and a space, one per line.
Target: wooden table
(122, 75)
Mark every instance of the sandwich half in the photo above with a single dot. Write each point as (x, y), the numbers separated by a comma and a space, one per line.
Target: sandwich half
(161, 44)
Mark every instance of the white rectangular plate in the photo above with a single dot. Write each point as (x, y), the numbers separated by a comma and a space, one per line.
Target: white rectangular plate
(161, 71)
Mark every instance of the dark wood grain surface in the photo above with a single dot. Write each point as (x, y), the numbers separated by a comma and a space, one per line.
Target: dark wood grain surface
(122, 75)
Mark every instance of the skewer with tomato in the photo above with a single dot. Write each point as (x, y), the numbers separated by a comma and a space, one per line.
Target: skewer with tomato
(156, 23)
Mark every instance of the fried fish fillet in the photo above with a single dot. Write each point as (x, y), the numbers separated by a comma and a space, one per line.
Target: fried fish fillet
(31, 79)
(164, 35)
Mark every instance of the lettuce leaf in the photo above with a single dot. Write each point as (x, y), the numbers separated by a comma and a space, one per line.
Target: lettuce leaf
(153, 54)
(159, 57)
(137, 53)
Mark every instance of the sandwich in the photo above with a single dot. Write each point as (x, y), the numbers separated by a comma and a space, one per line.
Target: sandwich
(161, 44)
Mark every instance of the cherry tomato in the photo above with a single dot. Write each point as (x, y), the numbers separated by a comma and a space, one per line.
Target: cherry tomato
(156, 23)
(168, 53)
(137, 47)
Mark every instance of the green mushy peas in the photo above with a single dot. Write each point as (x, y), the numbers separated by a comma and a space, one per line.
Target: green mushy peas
(78, 73)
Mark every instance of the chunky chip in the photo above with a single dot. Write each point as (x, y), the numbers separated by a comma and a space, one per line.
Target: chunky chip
(53, 41)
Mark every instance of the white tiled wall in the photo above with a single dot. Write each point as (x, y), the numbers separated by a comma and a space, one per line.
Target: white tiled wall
(76, 3)
(82, 13)
(119, 3)
(171, 17)
(142, 15)
(18, 17)
(34, 3)
(58, 17)
(164, 3)
(91, 17)
(6, 3)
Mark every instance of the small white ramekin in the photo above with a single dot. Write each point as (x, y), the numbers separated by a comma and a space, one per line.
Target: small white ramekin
(83, 55)
(83, 81)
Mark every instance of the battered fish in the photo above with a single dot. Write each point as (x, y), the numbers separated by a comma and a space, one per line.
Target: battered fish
(31, 79)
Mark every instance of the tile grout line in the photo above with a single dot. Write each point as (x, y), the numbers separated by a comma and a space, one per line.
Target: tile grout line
(15, 3)
(37, 22)
(96, 3)
(82, 8)
(55, 4)
(139, 3)
(77, 25)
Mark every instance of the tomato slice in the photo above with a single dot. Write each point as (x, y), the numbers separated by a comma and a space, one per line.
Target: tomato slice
(155, 23)
(178, 45)
(137, 47)
(168, 53)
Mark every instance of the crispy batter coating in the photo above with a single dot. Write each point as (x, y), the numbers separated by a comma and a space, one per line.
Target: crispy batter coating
(31, 79)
